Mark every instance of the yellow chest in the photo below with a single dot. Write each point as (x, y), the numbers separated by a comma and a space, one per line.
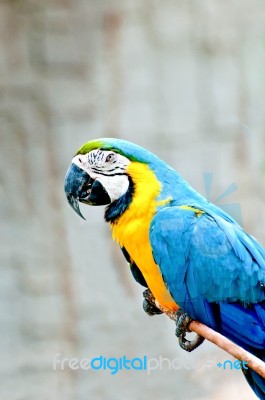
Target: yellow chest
(132, 231)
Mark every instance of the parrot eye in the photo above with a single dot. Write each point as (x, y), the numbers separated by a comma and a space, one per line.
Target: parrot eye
(110, 157)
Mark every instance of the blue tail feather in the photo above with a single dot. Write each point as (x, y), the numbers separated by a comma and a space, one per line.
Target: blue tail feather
(246, 326)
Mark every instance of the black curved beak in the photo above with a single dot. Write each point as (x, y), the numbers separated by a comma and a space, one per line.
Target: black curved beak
(80, 187)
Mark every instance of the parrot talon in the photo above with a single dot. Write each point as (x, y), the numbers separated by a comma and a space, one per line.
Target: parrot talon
(149, 305)
(182, 327)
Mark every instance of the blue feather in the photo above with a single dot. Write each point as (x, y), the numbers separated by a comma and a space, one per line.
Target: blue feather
(215, 272)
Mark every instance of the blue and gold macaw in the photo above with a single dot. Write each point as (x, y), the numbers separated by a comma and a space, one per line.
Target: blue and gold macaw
(189, 253)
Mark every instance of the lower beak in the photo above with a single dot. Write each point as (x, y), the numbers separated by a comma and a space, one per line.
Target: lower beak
(80, 187)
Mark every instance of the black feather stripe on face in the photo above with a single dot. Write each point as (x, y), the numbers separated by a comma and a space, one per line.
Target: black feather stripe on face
(99, 165)
(119, 206)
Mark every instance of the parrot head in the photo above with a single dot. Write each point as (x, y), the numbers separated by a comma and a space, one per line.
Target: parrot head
(99, 173)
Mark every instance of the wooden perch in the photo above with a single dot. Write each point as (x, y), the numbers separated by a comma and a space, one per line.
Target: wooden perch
(219, 340)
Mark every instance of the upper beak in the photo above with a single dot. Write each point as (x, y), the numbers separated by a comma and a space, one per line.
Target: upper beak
(80, 187)
(75, 179)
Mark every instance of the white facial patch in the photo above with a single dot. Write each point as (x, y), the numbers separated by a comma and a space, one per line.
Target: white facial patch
(116, 185)
(108, 167)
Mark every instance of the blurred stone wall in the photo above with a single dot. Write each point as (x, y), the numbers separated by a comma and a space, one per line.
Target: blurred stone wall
(185, 79)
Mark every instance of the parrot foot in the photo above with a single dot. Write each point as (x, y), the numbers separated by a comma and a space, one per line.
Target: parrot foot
(148, 304)
(182, 327)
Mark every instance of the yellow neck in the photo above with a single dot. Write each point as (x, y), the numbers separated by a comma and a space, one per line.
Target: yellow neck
(132, 229)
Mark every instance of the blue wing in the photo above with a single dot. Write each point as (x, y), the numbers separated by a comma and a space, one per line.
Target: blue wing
(213, 270)
(216, 273)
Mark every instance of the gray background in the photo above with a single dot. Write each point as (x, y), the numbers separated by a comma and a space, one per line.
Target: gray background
(185, 79)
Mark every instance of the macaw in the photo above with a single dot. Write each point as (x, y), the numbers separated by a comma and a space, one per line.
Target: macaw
(189, 253)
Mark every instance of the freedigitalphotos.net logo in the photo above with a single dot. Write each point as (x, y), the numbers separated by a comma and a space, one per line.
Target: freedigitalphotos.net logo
(229, 364)
(233, 209)
(112, 364)
(143, 363)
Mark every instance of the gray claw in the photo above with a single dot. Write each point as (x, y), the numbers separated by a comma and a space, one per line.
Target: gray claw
(148, 304)
(182, 327)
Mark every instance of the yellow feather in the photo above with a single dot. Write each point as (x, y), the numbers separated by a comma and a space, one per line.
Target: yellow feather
(132, 230)
(197, 211)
